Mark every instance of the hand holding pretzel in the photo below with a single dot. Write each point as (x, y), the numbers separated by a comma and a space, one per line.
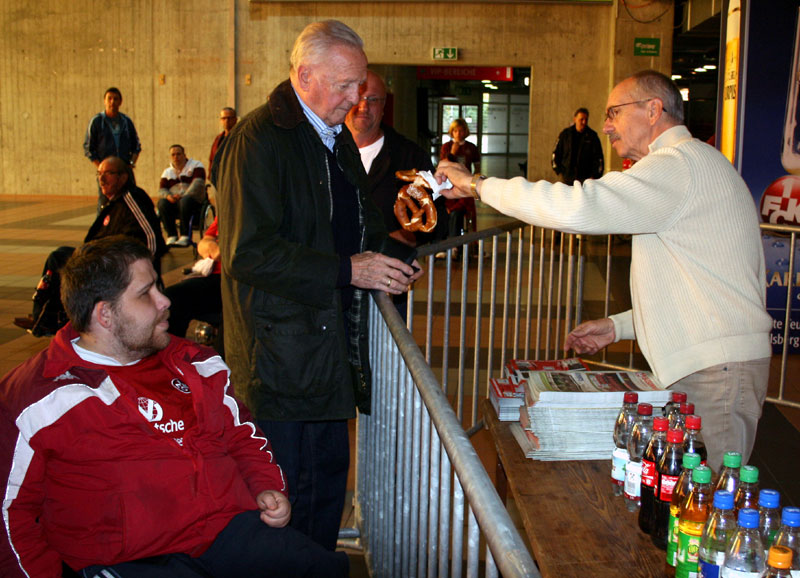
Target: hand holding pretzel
(412, 216)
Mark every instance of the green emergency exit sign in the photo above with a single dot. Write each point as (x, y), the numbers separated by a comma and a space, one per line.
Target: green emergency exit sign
(646, 46)
(445, 53)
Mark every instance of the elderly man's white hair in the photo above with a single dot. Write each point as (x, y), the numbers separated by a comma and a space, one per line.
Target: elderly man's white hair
(318, 38)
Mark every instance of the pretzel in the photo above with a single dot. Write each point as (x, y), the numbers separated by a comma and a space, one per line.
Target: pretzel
(423, 216)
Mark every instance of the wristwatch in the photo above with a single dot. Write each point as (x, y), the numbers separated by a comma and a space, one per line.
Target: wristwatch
(473, 185)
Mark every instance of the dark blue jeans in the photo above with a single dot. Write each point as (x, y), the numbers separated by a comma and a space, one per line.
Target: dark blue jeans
(246, 547)
(314, 456)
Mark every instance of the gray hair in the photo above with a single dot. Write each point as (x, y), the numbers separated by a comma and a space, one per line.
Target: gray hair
(318, 38)
(651, 83)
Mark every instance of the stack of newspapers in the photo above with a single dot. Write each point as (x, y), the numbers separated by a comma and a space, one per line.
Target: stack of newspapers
(570, 414)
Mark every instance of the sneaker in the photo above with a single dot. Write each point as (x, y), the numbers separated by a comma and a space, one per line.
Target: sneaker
(24, 322)
(184, 241)
(171, 240)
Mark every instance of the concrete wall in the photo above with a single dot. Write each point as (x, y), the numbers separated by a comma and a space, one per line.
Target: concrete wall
(178, 63)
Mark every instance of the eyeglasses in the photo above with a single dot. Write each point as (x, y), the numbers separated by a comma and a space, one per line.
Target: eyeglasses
(370, 100)
(101, 173)
(612, 111)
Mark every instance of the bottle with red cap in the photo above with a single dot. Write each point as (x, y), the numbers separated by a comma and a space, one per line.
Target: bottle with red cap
(693, 439)
(674, 404)
(650, 458)
(669, 468)
(679, 421)
(622, 431)
(637, 442)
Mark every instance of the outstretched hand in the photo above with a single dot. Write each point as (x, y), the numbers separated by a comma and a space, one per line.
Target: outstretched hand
(591, 336)
(275, 508)
(459, 175)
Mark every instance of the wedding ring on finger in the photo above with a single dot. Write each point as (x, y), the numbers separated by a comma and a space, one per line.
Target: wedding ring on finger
(389, 283)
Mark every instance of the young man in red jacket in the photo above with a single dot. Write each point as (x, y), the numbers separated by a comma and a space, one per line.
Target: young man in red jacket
(123, 454)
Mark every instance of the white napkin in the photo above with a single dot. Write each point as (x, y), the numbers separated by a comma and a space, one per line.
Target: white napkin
(204, 266)
(435, 187)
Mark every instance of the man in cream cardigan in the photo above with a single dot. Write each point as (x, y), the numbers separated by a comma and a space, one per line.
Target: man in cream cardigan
(697, 265)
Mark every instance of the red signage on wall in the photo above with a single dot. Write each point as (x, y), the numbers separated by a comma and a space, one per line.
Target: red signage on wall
(495, 73)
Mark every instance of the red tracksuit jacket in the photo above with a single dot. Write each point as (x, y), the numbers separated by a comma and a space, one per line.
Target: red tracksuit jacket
(88, 480)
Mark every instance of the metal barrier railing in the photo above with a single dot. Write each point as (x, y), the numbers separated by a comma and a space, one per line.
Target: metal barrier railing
(409, 500)
(417, 472)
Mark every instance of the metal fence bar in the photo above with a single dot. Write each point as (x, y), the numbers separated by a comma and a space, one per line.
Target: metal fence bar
(461, 477)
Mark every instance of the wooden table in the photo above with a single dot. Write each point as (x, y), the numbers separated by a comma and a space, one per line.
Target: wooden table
(576, 526)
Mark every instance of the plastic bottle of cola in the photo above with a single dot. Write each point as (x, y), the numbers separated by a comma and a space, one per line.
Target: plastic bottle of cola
(669, 469)
(652, 455)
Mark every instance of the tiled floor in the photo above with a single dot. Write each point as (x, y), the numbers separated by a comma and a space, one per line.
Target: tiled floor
(31, 228)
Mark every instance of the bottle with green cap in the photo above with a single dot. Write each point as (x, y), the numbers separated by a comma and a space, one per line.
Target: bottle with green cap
(729, 474)
(683, 487)
(779, 562)
(747, 493)
(694, 513)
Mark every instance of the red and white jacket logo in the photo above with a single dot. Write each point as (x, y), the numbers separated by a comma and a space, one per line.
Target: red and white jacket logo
(151, 410)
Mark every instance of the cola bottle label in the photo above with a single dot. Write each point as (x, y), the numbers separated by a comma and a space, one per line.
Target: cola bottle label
(665, 488)
(648, 473)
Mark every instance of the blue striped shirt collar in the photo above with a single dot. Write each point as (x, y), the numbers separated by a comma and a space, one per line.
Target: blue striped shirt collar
(327, 133)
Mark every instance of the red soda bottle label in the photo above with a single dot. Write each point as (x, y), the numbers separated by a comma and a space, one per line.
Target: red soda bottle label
(649, 473)
(665, 488)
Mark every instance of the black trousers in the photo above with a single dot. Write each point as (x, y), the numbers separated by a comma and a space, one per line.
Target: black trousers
(184, 209)
(247, 547)
(314, 457)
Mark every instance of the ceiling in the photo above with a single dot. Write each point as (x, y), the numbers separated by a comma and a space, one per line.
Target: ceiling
(695, 48)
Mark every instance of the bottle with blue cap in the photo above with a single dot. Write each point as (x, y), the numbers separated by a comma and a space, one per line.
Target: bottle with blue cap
(745, 556)
(789, 535)
(769, 513)
(717, 534)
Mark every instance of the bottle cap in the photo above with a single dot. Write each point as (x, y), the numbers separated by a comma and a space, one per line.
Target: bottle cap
(732, 460)
(645, 409)
(687, 408)
(630, 397)
(748, 474)
(660, 423)
(723, 500)
(675, 436)
(694, 422)
(690, 460)
(779, 557)
(748, 518)
(679, 397)
(701, 474)
(769, 498)
(791, 517)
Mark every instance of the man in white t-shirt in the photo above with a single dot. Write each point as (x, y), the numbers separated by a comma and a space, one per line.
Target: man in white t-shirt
(183, 191)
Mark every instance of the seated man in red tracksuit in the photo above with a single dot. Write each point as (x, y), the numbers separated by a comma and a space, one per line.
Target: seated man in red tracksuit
(122, 453)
